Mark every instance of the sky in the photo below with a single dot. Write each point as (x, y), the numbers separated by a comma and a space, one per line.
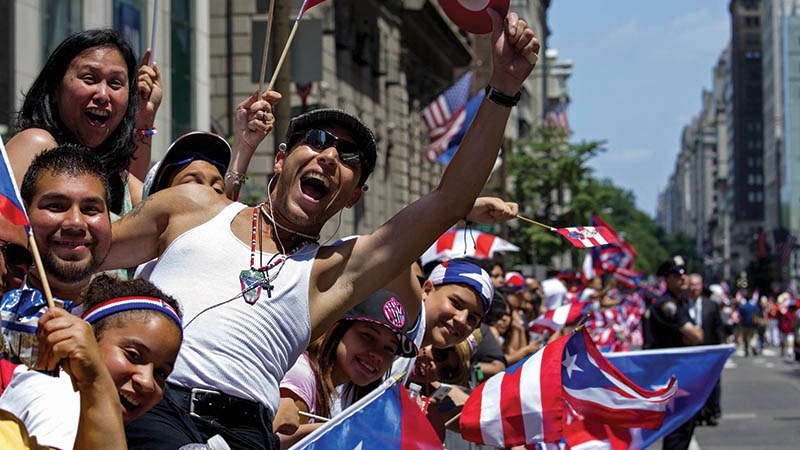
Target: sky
(639, 68)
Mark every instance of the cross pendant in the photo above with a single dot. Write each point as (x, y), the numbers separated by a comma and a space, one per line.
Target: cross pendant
(269, 288)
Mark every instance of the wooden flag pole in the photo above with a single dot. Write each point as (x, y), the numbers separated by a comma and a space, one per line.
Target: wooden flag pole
(452, 420)
(153, 34)
(283, 56)
(42, 276)
(313, 416)
(266, 47)
(535, 223)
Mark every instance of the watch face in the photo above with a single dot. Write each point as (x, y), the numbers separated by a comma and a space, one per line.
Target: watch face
(472, 15)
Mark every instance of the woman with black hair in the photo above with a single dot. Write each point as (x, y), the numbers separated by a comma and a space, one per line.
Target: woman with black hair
(90, 92)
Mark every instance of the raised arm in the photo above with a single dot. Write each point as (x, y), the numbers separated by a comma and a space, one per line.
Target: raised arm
(150, 226)
(148, 94)
(69, 341)
(375, 259)
(254, 121)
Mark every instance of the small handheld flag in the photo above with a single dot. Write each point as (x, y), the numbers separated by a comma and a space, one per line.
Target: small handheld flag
(586, 237)
(11, 208)
(581, 237)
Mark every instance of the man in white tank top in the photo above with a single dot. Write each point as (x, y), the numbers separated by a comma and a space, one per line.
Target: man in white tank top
(329, 156)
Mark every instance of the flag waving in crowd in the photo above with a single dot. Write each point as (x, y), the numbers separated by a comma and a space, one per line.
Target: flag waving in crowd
(567, 378)
(585, 237)
(402, 426)
(10, 201)
(448, 117)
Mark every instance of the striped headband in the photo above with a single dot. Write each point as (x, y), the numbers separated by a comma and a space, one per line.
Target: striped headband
(463, 272)
(118, 305)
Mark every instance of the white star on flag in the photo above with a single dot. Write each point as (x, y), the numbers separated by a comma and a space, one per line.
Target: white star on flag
(358, 447)
(570, 364)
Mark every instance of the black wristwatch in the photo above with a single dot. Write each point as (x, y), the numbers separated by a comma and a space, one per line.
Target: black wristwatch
(500, 98)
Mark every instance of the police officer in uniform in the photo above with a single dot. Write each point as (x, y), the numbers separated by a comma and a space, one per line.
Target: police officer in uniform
(670, 325)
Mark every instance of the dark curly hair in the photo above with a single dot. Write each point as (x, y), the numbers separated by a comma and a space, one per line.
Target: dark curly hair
(105, 287)
(70, 159)
(39, 110)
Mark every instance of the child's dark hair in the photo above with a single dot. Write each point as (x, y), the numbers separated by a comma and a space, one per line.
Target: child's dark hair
(70, 159)
(322, 356)
(105, 287)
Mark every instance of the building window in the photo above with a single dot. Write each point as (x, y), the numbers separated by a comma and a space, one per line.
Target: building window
(59, 20)
(182, 59)
(129, 18)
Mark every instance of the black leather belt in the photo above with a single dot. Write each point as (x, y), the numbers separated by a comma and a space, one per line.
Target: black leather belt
(219, 407)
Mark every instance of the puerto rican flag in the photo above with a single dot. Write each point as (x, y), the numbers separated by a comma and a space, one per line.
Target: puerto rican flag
(558, 318)
(627, 277)
(530, 403)
(387, 418)
(587, 237)
(11, 206)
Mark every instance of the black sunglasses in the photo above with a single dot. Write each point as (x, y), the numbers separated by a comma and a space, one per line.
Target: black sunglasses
(349, 152)
(15, 255)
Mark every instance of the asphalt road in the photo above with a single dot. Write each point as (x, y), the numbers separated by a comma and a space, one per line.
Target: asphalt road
(760, 405)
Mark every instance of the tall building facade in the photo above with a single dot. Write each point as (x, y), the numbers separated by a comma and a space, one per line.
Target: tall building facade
(381, 59)
(745, 126)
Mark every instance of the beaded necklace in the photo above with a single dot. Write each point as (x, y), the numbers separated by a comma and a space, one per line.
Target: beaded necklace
(252, 280)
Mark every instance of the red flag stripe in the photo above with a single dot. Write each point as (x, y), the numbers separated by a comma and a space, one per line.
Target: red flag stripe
(470, 421)
(445, 242)
(483, 245)
(511, 410)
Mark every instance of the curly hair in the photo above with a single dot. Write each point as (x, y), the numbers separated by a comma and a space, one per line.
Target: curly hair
(105, 287)
(39, 109)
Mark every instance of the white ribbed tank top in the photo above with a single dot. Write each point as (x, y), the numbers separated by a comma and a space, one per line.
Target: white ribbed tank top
(236, 348)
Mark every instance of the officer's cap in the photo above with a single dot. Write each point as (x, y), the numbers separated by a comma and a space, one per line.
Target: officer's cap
(675, 264)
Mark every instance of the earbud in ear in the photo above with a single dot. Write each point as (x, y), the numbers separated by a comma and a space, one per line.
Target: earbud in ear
(282, 147)
(364, 188)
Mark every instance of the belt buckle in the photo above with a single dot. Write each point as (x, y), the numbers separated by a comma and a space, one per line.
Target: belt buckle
(197, 395)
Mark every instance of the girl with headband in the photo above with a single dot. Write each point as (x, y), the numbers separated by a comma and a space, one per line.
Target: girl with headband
(128, 338)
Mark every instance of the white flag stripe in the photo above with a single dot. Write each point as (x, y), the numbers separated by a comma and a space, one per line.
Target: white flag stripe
(530, 394)
(491, 423)
(560, 314)
(622, 386)
(593, 445)
(614, 400)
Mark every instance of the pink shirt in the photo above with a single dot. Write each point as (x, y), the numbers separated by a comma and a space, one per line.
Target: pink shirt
(300, 379)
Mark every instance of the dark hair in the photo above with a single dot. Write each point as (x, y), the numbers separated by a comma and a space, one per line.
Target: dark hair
(498, 309)
(105, 287)
(322, 356)
(70, 159)
(39, 110)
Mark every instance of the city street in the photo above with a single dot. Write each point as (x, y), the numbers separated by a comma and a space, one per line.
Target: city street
(760, 398)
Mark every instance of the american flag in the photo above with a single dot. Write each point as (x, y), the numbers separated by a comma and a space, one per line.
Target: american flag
(556, 118)
(586, 237)
(445, 116)
(529, 403)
